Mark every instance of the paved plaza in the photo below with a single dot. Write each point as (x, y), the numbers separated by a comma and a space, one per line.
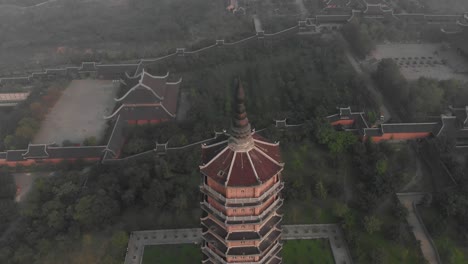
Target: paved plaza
(139, 239)
(79, 113)
(437, 61)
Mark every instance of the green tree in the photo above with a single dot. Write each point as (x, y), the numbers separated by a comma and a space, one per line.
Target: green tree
(340, 142)
(392, 83)
(24, 254)
(67, 143)
(7, 185)
(320, 190)
(137, 145)
(118, 243)
(358, 37)
(27, 128)
(180, 202)
(154, 196)
(340, 209)
(372, 224)
(90, 141)
(56, 220)
(381, 166)
(93, 211)
(427, 96)
(9, 142)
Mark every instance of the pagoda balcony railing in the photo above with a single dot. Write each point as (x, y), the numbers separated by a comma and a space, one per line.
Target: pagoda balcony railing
(213, 254)
(264, 260)
(276, 188)
(273, 250)
(274, 206)
(213, 233)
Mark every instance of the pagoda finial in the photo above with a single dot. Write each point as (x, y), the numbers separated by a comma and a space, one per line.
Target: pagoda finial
(240, 126)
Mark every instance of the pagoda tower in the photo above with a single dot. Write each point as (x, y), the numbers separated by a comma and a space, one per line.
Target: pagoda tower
(241, 185)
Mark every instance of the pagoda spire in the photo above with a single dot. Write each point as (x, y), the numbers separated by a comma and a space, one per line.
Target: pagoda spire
(240, 126)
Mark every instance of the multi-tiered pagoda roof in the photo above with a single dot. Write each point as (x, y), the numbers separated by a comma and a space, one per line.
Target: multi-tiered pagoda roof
(241, 194)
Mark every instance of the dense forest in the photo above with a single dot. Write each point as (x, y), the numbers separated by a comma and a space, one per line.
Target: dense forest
(418, 99)
(109, 30)
(83, 214)
(80, 208)
(20, 124)
(296, 79)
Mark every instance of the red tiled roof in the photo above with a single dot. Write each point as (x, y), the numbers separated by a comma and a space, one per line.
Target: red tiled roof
(219, 167)
(249, 167)
(171, 97)
(210, 152)
(265, 165)
(140, 95)
(156, 83)
(150, 91)
(141, 112)
(271, 150)
(242, 173)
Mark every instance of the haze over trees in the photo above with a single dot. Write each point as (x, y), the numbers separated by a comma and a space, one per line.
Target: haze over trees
(421, 98)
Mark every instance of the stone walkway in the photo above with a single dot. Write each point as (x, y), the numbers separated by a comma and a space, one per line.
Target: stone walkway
(409, 200)
(139, 239)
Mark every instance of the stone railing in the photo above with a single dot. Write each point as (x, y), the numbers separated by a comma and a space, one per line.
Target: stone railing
(416, 212)
(274, 206)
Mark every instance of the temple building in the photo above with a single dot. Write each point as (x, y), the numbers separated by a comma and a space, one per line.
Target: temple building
(453, 124)
(336, 4)
(12, 99)
(241, 185)
(149, 99)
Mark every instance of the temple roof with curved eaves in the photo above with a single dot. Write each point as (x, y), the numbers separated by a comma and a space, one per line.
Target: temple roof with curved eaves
(241, 158)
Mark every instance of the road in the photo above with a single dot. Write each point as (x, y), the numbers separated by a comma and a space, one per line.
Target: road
(139, 239)
(409, 200)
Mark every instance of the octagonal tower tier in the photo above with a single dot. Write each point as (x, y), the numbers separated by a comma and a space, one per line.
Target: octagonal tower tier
(241, 185)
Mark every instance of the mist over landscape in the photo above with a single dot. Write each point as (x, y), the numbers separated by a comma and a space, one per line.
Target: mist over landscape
(233, 131)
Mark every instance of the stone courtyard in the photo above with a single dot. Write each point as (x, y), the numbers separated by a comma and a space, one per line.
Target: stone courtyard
(79, 113)
(438, 61)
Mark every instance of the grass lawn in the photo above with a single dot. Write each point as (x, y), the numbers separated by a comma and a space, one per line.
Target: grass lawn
(308, 212)
(172, 254)
(307, 252)
(450, 252)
